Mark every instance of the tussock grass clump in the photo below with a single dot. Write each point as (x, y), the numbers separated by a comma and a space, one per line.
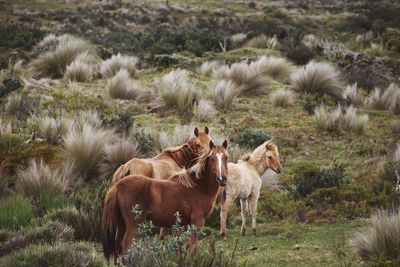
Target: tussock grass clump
(177, 91)
(382, 100)
(341, 119)
(53, 130)
(79, 71)
(249, 79)
(263, 41)
(57, 54)
(224, 93)
(180, 135)
(311, 40)
(352, 95)
(84, 148)
(5, 128)
(123, 87)
(37, 177)
(57, 254)
(91, 118)
(282, 98)
(204, 110)
(381, 241)
(317, 78)
(275, 67)
(116, 154)
(208, 67)
(19, 105)
(16, 211)
(375, 50)
(113, 65)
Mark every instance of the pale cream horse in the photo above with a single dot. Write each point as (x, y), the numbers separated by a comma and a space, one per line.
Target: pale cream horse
(245, 182)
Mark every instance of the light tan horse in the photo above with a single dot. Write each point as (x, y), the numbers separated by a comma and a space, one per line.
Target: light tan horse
(169, 161)
(191, 193)
(245, 182)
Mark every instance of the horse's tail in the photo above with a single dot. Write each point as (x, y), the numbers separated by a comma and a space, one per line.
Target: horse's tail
(120, 173)
(111, 220)
(221, 198)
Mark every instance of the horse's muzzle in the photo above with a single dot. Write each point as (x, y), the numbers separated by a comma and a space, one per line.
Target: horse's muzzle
(278, 170)
(221, 180)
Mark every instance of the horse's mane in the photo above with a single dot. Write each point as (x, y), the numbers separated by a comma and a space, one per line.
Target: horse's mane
(197, 170)
(268, 145)
(182, 155)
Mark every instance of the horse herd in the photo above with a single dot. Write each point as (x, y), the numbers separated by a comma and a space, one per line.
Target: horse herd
(190, 179)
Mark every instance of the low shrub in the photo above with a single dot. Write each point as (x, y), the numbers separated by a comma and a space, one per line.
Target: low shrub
(309, 178)
(252, 138)
(317, 78)
(379, 245)
(309, 104)
(122, 122)
(58, 254)
(16, 211)
(282, 98)
(50, 232)
(9, 85)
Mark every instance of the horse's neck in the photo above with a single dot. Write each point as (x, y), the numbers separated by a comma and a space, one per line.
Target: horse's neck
(257, 163)
(184, 156)
(207, 183)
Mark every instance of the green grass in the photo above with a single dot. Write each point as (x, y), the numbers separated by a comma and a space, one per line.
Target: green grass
(296, 244)
(16, 211)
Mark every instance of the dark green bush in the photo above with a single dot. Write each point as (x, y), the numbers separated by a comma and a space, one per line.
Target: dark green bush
(309, 104)
(59, 254)
(122, 122)
(356, 23)
(166, 60)
(252, 138)
(19, 35)
(392, 39)
(9, 85)
(146, 143)
(16, 211)
(49, 201)
(309, 177)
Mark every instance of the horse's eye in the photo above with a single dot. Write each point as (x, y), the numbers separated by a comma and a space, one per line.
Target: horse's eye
(270, 158)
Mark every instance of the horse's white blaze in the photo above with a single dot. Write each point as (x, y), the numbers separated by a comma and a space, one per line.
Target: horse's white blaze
(219, 157)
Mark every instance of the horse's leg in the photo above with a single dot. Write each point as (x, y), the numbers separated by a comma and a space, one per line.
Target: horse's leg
(162, 233)
(223, 215)
(193, 240)
(243, 207)
(253, 209)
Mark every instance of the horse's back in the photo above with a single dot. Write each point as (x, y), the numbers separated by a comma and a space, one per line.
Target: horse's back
(134, 166)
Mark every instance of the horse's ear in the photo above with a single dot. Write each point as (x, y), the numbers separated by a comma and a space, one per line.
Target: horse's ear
(211, 145)
(225, 144)
(196, 132)
(268, 145)
(206, 130)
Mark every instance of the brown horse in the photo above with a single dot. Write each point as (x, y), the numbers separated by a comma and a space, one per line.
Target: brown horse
(169, 161)
(191, 193)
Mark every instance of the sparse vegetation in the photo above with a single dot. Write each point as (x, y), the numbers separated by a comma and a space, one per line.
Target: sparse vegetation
(317, 78)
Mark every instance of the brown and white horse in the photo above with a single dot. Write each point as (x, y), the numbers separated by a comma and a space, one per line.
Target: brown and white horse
(169, 161)
(191, 193)
(245, 183)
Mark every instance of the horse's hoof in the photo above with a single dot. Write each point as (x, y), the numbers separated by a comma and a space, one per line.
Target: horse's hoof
(223, 236)
(243, 232)
(254, 232)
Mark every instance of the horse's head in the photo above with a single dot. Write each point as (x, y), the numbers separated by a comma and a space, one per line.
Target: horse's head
(272, 157)
(200, 143)
(217, 162)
